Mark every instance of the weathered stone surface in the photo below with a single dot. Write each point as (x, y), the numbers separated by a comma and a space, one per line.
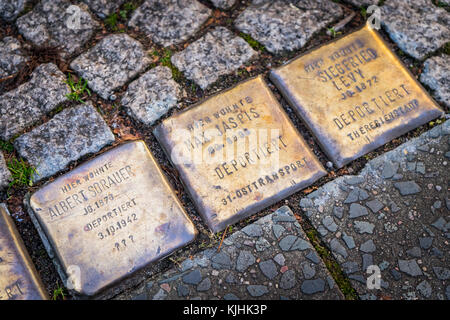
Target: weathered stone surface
(71, 134)
(22, 107)
(408, 244)
(286, 25)
(12, 57)
(104, 8)
(360, 3)
(217, 53)
(228, 189)
(223, 4)
(275, 276)
(10, 9)
(58, 23)
(168, 22)
(5, 175)
(110, 217)
(19, 279)
(353, 108)
(111, 63)
(430, 31)
(436, 75)
(150, 97)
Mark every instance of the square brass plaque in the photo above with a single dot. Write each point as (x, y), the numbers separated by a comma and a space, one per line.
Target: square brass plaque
(110, 217)
(18, 277)
(237, 153)
(355, 95)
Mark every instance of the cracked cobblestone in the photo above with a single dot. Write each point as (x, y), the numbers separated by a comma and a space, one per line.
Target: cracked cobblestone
(387, 239)
(239, 271)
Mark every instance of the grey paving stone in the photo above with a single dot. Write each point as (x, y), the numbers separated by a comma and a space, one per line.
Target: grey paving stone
(193, 277)
(58, 23)
(104, 8)
(71, 134)
(430, 31)
(235, 273)
(169, 22)
(10, 9)
(23, 106)
(282, 25)
(152, 95)
(409, 244)
(223, 4)
(217, 53)
(407, 187)
(436, 75)
(12, 57)
(5, 175)
(357, 210)
(360, 3)
(111, 63)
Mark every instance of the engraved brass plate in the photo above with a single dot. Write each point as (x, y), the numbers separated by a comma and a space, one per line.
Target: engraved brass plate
(110, 217)
(18, 277)
(355, 95)
(237, 153)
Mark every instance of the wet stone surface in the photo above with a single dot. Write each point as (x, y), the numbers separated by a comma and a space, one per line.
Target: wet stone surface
(168, 22)
(51, 146)
(436, 75)
(223, 4)
(241, 271)
(429, 32)
(18, 277)
(217, 53)
(354, 95)
(10, 9)
(266, 158)
(58, 23)
(408, 238)
(12, 57)
(119, 214)
(23, 106)
(5, 175)
(152, 95)
(111, 63)
(103, 8)
(286, 25)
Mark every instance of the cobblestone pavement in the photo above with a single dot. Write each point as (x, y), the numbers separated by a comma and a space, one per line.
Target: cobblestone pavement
(80, 77)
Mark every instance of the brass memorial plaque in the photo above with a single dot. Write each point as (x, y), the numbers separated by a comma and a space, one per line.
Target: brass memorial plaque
(237, 153)
(110, 217)
(18, 277)
(355, 95)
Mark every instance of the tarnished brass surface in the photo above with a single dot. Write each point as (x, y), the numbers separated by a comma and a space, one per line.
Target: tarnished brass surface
(237, 152)
(111, 216)
(18, 277)
(355, 95)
